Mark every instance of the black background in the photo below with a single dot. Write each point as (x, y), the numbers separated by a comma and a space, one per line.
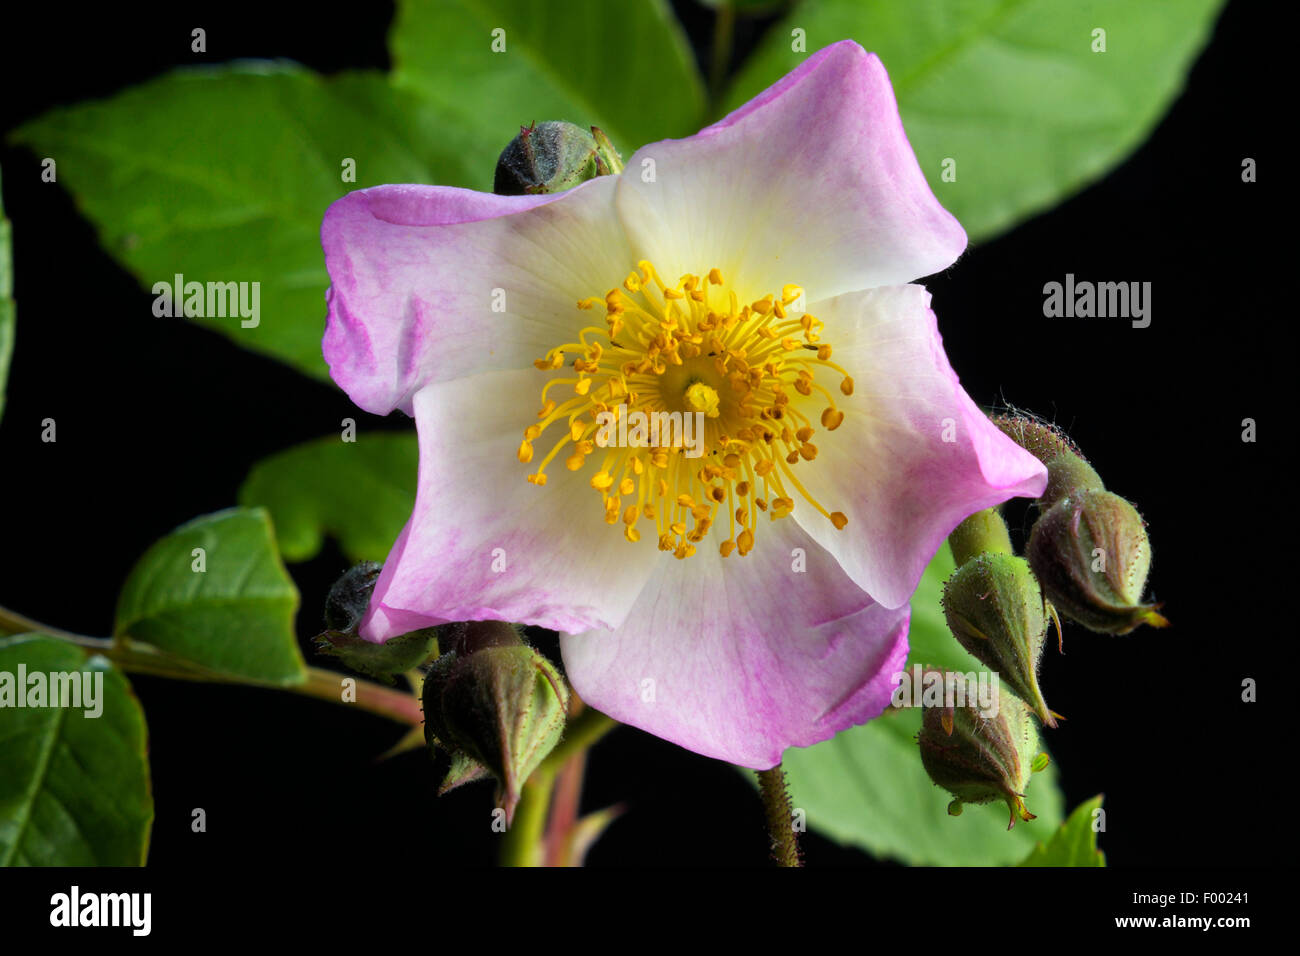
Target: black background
(159, 421)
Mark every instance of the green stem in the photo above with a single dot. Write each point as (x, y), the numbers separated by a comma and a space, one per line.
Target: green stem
(134, 658)
(11, 622)
(780, 819)
(523, 843)
(582, 731)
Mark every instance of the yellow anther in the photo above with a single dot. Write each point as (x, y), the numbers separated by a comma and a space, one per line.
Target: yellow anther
(846, 386)
(525, 452)
(582, 386)
(602, 481)
(715, 276)
(626, 486)
(839, 519)
(575, 462)
(831, 418)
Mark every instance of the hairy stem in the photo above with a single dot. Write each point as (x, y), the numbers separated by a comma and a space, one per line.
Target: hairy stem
(780, 819)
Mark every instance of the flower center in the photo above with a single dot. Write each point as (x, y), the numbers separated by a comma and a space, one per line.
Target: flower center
(685, 401)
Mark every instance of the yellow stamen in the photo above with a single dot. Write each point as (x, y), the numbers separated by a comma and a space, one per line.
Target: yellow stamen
(690, 353)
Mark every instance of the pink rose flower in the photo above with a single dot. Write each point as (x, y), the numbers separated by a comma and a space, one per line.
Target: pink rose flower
(757, 273)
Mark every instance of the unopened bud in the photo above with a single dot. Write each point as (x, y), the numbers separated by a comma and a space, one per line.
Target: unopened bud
(1068, 472)
(981, 759)
(494, 702)
(349, 596)
(1091, 553)
(995, 609)
(345, 606)
(551, 157)
(1045, 442)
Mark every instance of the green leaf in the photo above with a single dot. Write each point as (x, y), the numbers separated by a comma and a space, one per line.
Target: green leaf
(359, 492)
(1009, 89)
(866, 786)
(7, 308)
(931, 643)
(224, 175)
(235, 618)
(75, 788)
(625, 67)
(1074, 844)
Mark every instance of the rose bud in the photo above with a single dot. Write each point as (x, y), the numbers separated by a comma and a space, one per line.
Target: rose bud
(995, 609)
(345, 606)
(1091, 554)
(981, 759)
(552, 157)
(494, 701)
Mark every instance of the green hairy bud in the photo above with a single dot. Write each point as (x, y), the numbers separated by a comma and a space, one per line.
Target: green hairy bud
(981, 759)
(552, 157)
(1089, 548)
(995, 609)
(1091, 553)
(496, 704)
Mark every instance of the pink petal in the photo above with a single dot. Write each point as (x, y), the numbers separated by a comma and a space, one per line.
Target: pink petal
(739, 658)
(889, 467)
(564, 567)
(813, 183)
(415, 273)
